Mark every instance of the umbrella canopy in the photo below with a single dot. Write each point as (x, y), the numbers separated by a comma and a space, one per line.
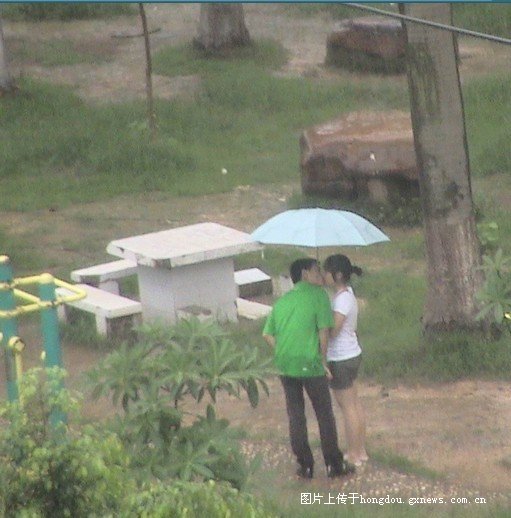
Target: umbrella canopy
(318, 227)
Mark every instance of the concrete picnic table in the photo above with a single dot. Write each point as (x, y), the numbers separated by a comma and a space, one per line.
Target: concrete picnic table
(186, 267)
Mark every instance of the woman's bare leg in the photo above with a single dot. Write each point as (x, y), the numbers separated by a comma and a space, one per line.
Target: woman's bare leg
(354, 423)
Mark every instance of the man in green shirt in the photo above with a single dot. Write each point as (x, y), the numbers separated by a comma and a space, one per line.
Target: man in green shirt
(298, 329)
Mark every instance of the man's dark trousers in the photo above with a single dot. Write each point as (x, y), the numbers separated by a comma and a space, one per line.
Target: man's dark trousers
(319, 395)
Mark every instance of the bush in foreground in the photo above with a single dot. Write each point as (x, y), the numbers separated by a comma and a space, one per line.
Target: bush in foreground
(152, 380)
(196, 500)
(55, 470)
(49, 470)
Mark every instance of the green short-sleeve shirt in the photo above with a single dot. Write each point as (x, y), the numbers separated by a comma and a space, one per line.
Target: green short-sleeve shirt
(295, 321)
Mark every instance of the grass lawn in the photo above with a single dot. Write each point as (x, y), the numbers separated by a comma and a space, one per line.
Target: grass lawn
(244, 119)
(247, 120)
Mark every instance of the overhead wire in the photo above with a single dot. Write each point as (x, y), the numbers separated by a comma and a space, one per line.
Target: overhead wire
(452, 28)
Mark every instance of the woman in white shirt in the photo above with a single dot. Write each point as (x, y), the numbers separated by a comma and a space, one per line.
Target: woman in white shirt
(344, 354)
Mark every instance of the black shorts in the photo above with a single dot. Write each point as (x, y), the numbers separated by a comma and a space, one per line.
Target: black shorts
(344, 372)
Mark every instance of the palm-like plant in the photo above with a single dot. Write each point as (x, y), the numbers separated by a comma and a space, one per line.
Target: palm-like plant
(495, 295)
(124, 373)
(152, 379)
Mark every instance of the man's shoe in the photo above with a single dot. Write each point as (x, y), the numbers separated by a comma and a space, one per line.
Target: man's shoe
(305, 472)
(340, 470)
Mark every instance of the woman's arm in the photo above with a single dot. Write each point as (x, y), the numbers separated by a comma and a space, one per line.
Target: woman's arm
(324, 335)
(339, 319)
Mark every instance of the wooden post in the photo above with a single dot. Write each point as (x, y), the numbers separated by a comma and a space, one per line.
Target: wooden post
(151, 116)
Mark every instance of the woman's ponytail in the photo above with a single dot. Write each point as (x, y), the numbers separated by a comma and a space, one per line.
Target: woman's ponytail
(356, 270)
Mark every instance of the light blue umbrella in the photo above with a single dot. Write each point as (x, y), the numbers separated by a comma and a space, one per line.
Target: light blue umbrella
(318, 227)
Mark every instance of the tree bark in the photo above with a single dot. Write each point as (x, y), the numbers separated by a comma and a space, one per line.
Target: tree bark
(151, 115)
(452, 247)
(6, 82)
(221, 27)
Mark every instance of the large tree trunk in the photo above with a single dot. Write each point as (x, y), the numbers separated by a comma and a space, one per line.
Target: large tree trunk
(452, 246)
(222, 26)
(6, 82)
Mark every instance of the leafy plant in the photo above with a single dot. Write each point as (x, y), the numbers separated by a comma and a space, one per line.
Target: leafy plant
(151, 381)
(496, 292)
(47, 470)
(193, 333)
(123, 374)
(488, 233)
(214, 500)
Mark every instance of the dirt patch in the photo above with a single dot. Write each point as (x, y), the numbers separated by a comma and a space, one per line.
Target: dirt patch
(459, 430)
(123, 78)
(80, 233)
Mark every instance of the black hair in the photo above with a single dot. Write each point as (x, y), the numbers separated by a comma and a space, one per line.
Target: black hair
(339, 263)
(297, 266)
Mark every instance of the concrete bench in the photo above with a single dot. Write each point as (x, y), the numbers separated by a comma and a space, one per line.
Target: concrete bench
(252, 282)
(252, 310)
(281, 285)
(112, 312)
(105, 276)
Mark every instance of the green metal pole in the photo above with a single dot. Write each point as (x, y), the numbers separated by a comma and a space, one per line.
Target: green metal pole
(8, 325)
(50, 330)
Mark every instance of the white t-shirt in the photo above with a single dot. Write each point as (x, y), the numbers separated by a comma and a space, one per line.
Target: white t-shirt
(345, 345)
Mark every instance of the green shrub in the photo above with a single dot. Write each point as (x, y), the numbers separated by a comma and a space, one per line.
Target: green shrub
(488, 233)
(48, 471)
(196, 500)
(496, 292)
(150, 381)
